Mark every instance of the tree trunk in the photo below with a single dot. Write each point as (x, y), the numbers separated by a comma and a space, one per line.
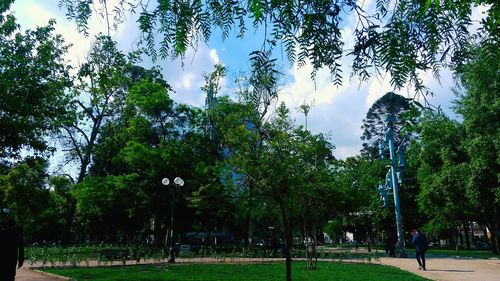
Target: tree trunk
(84, 163)
(355, 237)
(158, 234)
(319, 235)
(466, 234)
(473, 239)
(368, 241)
(496, 232)
(288, 241)
(455, 238)
(246, 234)
(460, 237)
(494, 241)
(494, 237)
(70, 215)
(248, 217)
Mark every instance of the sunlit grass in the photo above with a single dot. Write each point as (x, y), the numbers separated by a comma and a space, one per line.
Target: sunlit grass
(239, 272)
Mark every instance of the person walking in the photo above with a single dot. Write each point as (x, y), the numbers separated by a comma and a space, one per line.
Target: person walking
(11, 245)
(420, 243)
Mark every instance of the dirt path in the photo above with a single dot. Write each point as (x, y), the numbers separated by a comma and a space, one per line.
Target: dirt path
(450, 269)
(26, 274)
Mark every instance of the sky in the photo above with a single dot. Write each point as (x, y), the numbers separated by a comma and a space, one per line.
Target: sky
(337, 111)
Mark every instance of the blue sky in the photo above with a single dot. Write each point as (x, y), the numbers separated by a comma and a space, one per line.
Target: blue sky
(337, 111)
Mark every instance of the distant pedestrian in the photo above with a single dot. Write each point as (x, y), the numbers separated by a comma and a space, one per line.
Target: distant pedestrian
(420, 243)
(390, 245)
(11, 245)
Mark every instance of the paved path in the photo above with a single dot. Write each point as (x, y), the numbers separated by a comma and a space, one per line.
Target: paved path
(450, 269)
(438, 268)
(26, 274)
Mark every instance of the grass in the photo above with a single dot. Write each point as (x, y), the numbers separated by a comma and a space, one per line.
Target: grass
(463, 253)
(234, 272)
(478, 254)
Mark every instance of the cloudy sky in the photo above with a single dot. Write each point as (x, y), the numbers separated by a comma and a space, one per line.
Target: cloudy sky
(337, 110)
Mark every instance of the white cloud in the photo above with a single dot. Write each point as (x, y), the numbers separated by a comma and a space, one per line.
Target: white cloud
(185, 76)
(31, 13)
(338, 110)
(214, 56)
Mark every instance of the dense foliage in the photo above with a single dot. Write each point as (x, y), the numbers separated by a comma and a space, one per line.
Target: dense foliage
(373, 124)
(33, 80)
(401, 37)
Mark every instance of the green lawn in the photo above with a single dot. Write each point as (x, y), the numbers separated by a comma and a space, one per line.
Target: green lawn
(463, 253)
(479, 254)
(233, 272)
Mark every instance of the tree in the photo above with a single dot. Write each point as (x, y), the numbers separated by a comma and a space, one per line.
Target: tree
(24, 190)
(150, 139)
(373, 125)
(479, 104)
(239, 137)
(33, 94)
(319, 198)
(304, 108)
(33, 80)
(98, 96)
(356, 179)
(295, 176)
(107, 205)
(442, 170)
(286, 166)
(239, 128)
(402, 37)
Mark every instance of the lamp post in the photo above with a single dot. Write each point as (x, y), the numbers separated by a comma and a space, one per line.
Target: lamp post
(177, 182)
(393, 179)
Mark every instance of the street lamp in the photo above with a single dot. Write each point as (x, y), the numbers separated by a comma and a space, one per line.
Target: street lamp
(177, 182)
(393, 178)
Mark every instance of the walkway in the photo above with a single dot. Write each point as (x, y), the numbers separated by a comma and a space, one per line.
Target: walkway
(438, 268)
(450, 269)
(25, 274)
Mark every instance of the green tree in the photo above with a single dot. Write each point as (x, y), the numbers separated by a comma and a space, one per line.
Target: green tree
(295, 176)
(239, 136)
(373, 125)
(98, 96)
(239, 129)
(33, 91)
(479, 104)
(289, 172)
(24, 190)
(360, 210)
(105, 206)
(442, 171)
(33, 80)
(150, 139)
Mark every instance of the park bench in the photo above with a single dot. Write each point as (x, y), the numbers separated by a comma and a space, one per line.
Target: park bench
(115, 254)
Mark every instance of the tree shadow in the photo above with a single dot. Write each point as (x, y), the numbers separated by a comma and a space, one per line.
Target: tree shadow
(451, 270)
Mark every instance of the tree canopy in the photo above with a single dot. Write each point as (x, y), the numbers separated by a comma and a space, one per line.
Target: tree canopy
(401, 37)
(373, 124)
(34, 79)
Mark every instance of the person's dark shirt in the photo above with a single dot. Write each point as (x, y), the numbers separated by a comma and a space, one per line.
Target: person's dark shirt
(419, 242)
